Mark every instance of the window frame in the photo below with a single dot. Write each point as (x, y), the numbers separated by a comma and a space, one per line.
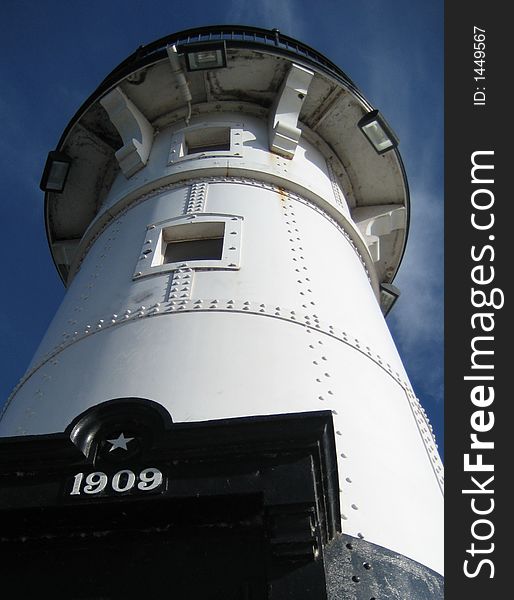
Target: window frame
(151, 256)
(178, 147)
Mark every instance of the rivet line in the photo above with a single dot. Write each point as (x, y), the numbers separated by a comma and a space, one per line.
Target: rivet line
(291, 196)
(310, 322)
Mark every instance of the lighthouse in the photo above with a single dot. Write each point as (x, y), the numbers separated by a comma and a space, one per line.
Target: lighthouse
(218, 403)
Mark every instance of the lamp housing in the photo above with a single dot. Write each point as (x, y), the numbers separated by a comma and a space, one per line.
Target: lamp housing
(204, 56)
(55, 173)
(378, 132)
(389, 294)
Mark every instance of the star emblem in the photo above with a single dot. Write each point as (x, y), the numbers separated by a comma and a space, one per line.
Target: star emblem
(120, 442)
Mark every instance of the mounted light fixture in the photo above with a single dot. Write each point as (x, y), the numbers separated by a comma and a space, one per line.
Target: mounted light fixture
(55, 172)
(378, 132)
(205, 55)
(389, 294)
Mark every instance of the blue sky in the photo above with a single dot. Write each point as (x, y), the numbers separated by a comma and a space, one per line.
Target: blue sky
(54, 54)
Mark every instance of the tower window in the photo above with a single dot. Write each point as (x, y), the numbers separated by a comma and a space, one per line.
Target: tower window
(206, 140)
(211, 139)
(205, 241)
(192, 241)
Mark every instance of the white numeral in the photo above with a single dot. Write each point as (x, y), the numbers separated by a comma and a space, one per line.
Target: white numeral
(150, 479)
(129, 484)
(76, 484)
(96, 482)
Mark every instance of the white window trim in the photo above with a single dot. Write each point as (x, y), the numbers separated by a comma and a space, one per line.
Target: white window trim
(178, 151)
(151, 255)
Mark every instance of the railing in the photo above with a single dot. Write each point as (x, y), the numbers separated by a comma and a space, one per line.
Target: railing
(234, 36)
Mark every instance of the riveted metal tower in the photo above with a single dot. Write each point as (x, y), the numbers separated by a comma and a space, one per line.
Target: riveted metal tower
(227, 212)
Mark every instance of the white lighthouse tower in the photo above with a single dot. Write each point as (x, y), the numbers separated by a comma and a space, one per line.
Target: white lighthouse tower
(228, 212)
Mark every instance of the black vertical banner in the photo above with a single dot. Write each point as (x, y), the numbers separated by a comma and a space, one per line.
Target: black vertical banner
(478, 323)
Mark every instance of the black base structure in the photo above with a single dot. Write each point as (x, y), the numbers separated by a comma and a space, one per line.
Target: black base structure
(359, 570)
(126, 504)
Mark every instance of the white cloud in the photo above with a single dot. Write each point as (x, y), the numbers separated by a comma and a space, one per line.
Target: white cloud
(282, 14)
(417, 319)
(420, 276)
